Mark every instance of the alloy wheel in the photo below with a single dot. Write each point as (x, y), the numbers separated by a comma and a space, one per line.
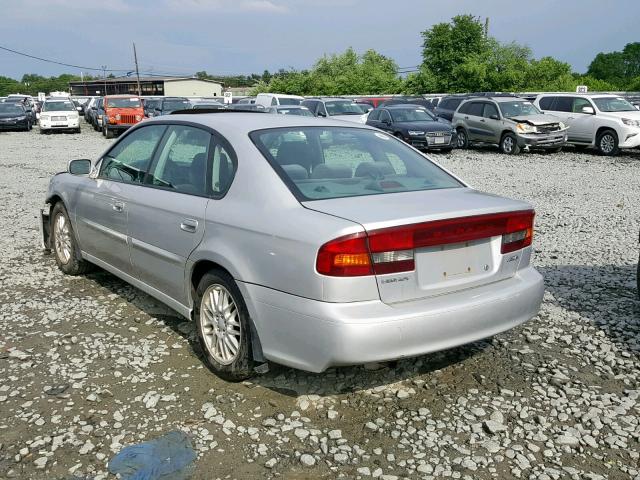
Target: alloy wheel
(220, 324)
(607, 143)
(507, 144)
(62, 239)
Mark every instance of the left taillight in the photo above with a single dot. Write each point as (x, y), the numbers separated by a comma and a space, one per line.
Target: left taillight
(346, 256)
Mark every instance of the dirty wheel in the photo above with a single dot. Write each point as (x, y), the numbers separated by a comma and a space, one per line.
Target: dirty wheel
(509, 144)
(64, 244)
(222, 322)
(463, 139)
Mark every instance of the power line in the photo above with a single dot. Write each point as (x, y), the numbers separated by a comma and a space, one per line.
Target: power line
(56, 62)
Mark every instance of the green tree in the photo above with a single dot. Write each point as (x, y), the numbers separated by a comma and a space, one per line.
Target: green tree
(617, 68)
(446, 46)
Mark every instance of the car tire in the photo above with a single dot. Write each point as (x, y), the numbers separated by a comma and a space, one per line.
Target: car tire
(509, 144)
(42, 132)
(108, 133)
(95, 126)
(463, 138)
(63, 243)
(77, 130)
(607, 143)
(229, 355)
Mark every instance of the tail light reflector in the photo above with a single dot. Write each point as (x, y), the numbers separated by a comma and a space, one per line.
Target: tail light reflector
(391, 250)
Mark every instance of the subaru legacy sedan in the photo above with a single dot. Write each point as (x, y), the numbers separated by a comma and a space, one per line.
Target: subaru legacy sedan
(308, 242)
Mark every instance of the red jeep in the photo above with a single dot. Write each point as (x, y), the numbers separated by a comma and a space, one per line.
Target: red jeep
(120, 113)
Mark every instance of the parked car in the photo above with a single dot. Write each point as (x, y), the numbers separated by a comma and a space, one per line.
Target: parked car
(149, 104)
(98, 114)
(13, 116)
(336, 108)
(245, 100)
(167, 105)
(273, 99)
(59, 114)
(208, 105)
(606, 122)
(405, 100)
(299, 110)
(415, 125)
(121, 112)
(351, 248)
(448, 106)
(247, 107)
(89, 111)
(27, 103)
(511, 123)
(79, 107)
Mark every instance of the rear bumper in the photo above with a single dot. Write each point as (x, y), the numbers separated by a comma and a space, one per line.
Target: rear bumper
(554, 140)
(313, 335)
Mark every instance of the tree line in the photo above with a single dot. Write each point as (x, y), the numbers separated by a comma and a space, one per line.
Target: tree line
(457, 56)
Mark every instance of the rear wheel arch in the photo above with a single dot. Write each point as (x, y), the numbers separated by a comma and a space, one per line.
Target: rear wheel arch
(199, 270)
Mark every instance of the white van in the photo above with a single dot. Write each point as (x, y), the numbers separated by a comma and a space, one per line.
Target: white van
(273, 99)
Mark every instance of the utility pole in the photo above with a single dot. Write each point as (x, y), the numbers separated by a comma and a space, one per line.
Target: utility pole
(104, 78)
(486, 27)
(135, 58)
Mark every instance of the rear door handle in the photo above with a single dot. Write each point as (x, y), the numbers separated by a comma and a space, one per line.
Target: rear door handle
(189, 225)
(117, 206)
(482, 120)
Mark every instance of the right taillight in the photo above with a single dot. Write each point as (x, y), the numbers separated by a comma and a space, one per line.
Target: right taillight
(391, 250)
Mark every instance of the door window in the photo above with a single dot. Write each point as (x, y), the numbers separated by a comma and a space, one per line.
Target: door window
(182, 162)
(374, 114)
(129, 159)
(475, 109)
(563, 104)
(489, 110)
(579, 104)
(223, 169)
(384, 116)
(546, 103)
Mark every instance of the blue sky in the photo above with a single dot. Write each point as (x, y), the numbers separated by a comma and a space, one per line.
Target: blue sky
(245, 36)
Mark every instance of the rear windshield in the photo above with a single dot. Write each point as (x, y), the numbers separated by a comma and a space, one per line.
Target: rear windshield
(289, 101)
(334, 162)
(343, 108)
(123, 102)
(305, 112)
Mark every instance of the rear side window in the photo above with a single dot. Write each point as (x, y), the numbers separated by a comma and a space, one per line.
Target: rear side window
(476, 109)
(129, 159)
(546, 103)
(563, 104)
(334, 162)
(464, 108)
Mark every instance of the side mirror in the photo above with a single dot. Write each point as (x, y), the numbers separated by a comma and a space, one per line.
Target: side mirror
(494, 117)
(588, 110)
(79, 167)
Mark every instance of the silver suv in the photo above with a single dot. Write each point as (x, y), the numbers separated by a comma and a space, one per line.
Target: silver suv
(509, 122)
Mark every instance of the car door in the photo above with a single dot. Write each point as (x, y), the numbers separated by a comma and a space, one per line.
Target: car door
(476, 129)
(560, 107)
(384, 121)
(167, 222)
(492, 122)
(102, 210)
(582, 125)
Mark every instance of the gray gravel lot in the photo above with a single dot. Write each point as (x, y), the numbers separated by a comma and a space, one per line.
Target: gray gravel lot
(89, 364)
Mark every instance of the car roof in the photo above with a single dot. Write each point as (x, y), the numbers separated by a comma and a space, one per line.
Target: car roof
(122, 96)
(404, 105)
(572, 94)
(240, 122)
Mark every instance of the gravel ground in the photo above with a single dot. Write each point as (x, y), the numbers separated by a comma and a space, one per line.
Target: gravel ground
(89, 365)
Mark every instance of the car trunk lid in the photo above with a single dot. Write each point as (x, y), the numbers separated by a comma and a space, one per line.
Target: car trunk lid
(449, 240)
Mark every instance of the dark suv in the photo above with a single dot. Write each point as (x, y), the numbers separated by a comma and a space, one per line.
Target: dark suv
(167, 105)
(448, 105)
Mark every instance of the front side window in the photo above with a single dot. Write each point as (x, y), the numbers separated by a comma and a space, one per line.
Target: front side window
(384, 116)
(518, 109)
(546, 103)
(128, 161)
(181, 164)
(490, 110)
(579, 104)
(374, 114)
(617, 104)
(334, 162)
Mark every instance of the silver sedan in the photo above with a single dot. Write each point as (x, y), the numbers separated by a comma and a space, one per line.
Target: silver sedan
(307, 242)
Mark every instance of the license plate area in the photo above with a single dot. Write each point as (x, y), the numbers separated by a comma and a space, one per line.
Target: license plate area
(448, 266)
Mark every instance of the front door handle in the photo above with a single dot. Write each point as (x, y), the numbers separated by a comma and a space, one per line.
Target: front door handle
(117, 206)
(189, 225)
(482, 120)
